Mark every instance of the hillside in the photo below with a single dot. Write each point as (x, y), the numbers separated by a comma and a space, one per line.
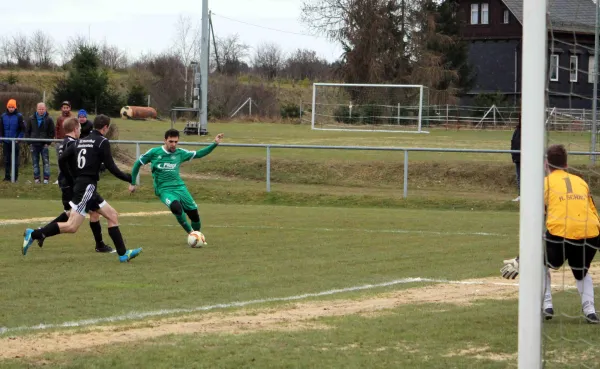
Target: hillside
(285, 91)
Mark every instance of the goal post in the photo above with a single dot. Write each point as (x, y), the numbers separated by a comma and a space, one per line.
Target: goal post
(370, 107)
(531, 216)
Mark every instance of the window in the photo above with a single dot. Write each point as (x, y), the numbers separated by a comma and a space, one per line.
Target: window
(506, 17)
(554, 68)
(591, 69)
(485, 13)
(474, 13)
(573, 68)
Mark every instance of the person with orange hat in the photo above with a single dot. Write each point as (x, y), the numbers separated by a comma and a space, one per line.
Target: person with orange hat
(12, 125)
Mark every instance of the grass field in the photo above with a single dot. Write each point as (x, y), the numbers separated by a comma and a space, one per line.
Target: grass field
(333, 269)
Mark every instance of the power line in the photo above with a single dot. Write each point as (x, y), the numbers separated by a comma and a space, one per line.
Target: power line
(269, 28)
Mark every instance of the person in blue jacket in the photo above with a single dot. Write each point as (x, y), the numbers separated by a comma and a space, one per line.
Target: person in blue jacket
(12, 125)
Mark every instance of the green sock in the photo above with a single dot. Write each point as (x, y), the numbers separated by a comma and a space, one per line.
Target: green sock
(182, 219)
(196, 225)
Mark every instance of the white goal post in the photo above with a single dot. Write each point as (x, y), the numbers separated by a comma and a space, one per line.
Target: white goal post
(531, 215)
(369, 107)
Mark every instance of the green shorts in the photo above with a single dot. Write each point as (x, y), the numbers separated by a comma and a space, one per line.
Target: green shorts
(178, 194)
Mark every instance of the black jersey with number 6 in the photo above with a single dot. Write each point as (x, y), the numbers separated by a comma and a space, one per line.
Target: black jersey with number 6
(87, 155)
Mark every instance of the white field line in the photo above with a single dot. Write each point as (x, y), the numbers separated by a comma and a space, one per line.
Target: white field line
(141, 315)
(398, 231)
(6, 222)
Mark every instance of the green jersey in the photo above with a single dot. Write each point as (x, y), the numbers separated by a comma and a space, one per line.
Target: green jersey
(165, 165)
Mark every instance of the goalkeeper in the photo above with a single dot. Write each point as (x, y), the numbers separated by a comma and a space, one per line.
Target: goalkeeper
(572, 229)
(168, 186)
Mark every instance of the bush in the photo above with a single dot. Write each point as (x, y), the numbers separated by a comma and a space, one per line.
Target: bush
(290, 110)
(137, 96)
(370, 114)
(12, 79)
(344, 115)
(486, 100)
(226, 94)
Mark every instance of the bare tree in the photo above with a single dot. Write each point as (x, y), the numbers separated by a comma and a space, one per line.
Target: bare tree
(69, 50)
(232, 53)
(21, 50)
(268, 59)
(112, 57)
(372, 33)
(304, 63)
(42, 47)
(186, 38)
(5, 51)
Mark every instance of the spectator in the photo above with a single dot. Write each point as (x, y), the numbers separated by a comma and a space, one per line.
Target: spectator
(86, 125)
(515, 144)
(65, 113)
(11, 126)
(40, 125)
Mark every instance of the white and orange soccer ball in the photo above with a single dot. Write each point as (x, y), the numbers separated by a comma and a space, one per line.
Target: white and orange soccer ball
(196, 239)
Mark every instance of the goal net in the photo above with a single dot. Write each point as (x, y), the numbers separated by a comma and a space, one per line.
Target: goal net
(559, 107)
(370, 107)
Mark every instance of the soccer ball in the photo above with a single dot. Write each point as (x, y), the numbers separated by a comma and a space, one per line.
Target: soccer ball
(196, 239)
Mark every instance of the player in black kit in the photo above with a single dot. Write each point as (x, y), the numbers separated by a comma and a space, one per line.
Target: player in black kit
(73, 131)
(85, 158)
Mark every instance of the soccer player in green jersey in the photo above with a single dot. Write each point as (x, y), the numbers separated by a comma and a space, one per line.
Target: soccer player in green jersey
(168, 185)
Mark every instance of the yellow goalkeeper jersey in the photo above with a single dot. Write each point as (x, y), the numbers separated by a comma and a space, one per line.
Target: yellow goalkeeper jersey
(570, 209)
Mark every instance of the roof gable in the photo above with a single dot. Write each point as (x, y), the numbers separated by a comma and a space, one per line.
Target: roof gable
(565, 15)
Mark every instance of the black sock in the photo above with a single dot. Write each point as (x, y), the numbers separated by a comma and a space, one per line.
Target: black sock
(48, 230)
(97, 231)
(117, 238)
(63, 217)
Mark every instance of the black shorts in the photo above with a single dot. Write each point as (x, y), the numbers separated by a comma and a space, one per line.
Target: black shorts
(579, 253)
(85, 198)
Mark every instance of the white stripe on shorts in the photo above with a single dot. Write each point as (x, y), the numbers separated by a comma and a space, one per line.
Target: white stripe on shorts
(80, 208)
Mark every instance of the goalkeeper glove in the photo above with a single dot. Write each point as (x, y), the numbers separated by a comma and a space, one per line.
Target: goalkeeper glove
(511, 268)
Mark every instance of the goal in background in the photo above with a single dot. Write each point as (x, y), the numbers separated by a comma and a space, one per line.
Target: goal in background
(370, 107)
(559, 75)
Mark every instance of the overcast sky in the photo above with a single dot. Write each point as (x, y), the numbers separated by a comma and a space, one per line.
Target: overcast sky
(149, 25)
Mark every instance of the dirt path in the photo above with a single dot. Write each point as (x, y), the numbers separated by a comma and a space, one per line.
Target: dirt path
(47, 219)
(288, 317)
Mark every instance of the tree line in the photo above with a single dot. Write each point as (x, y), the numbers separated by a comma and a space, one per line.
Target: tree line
(383, 41)
(396, 41)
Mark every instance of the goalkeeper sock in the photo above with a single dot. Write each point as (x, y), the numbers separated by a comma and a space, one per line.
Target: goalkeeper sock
(97, 231)
(548, 291)
(196, 226)
(182, 219)
(586, 290)
(48, 230)
(117, 238)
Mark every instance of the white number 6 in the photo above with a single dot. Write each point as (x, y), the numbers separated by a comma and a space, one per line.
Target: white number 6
(81, 158)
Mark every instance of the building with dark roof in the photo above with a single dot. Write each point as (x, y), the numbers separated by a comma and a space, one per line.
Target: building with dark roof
(493, 29)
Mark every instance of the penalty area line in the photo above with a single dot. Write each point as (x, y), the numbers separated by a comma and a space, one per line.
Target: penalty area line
(279, 228)
(135, 315)
(8, 222)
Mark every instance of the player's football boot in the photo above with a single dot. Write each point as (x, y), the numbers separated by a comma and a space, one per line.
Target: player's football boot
(102, 247)
(130, 254)
(548, 313)
(27, 240)
(592, 318)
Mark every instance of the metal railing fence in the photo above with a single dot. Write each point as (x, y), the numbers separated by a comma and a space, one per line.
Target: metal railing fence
(268, 147)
